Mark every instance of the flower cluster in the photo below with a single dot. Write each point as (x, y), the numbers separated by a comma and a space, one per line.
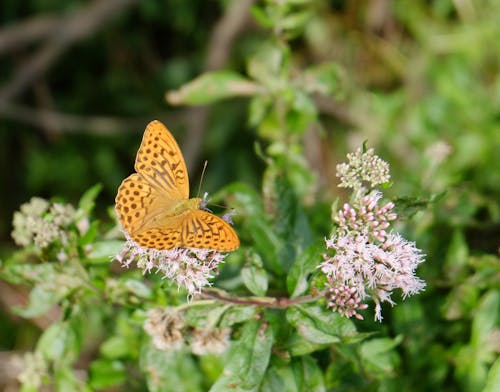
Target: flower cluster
(364, 259)
(169, 332)
(34, 370)
(363, 168)
(165, 328)
(40, 223)
(190, 268)
(210, 341)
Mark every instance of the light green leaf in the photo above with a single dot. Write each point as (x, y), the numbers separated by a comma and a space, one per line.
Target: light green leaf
(103, 251)
(60, 342)
(237, 314)
(379, 354)
(211, 87)
(105, 373)
(87, 201)
(493, 380)
(169, 371)
(115, 347)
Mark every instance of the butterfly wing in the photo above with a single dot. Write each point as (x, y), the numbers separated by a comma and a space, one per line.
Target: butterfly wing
(201, 229)
(161, 181)
(137, 203)
(160, 162)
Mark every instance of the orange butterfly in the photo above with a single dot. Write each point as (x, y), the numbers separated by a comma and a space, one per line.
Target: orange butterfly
(153, 204)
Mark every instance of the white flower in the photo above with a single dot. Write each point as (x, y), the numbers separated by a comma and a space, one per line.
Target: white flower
(190, 268)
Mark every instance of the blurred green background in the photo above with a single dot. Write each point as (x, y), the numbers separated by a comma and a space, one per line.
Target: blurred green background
(419, 80)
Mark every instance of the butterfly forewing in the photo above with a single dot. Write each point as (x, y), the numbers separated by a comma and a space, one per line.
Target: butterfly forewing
(160, 161)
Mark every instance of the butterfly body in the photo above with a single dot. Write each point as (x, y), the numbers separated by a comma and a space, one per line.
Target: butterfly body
(153, 204)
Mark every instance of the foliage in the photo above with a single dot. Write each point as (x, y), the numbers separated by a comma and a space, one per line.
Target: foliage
(279, 313)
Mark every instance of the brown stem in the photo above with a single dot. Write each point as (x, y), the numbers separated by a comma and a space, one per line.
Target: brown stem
(267, 302)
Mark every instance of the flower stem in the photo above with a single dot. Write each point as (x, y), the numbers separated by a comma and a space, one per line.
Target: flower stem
(267, 302)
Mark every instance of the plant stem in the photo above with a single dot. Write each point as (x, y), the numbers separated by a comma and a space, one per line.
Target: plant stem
(267, 302)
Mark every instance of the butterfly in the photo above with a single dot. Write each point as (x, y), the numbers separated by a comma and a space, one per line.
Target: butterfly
(153, 204)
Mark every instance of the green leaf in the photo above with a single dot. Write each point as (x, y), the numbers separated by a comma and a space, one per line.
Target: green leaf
(90, 235)
(289, 221)
(87, 201)
(105, 373)
(41, 300)
(115, 347)
(248, 359)
(60, 342)
(204, 315)
(266, 243)
(168, 371)
(237, 314)
(456, 255)
(65, 380)
(258, 109)
(269, 65)
(379, 354)
(302, 374)
(493, 380)
(321, 78)
(211, 87)
(298, 345)
(321, 326)
(306, 263)
(261, 16)
(48, 293)
(254, 276)
(102, 251)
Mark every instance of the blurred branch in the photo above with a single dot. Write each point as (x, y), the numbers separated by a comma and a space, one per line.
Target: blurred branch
(227, 29)
(99, 125)
(69, 30)
(27, 31)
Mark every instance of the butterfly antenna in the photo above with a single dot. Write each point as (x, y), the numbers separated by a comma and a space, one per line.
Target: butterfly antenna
(201, 178)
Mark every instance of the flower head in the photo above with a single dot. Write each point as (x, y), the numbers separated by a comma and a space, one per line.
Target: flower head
(363, 167)
(34, 370)
(40, 223)
(205, 341)
(190, 268)
(165, 328)
(364, 258)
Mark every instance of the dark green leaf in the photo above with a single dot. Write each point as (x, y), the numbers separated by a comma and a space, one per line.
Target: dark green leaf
(321, 326)
(302, 374)
(306, 263)
(169, 371)
(248, 359)
(254, 275)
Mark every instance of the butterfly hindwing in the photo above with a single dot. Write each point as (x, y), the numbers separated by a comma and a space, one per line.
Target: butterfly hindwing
(201, 229)
(159, 238)
(137, 203)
